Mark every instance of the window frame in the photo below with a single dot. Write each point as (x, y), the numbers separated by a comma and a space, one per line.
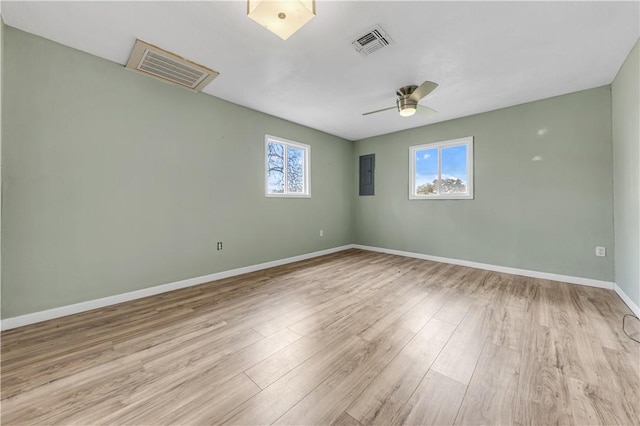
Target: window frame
(306, 149)
(469, 195)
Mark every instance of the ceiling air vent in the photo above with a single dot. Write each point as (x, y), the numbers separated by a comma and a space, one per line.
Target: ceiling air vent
(150, 60)
(371, 41)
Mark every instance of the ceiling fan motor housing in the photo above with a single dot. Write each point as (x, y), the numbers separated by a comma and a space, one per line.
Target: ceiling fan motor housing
(406, 105)
(408, 98)
(406, 90)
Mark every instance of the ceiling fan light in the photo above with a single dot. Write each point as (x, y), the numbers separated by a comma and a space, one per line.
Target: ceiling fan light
(406, 106)
(407, 111)
(281, 17)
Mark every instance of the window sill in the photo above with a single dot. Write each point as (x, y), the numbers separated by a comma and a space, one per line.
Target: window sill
(288, 195)
(442, 197)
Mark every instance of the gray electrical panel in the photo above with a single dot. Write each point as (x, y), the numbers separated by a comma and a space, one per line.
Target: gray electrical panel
(367, 174)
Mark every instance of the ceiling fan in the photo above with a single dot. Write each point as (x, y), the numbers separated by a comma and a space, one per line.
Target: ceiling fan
(408, 98)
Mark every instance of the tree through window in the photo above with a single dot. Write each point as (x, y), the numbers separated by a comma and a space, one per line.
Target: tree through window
(287, 168)
(442, 170)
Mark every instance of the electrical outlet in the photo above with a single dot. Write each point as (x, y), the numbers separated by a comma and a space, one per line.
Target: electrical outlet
(219, 245)
(322, 233)
(601, 251)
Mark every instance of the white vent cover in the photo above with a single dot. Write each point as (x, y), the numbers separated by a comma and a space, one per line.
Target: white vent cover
(371, 41)
(150, 60)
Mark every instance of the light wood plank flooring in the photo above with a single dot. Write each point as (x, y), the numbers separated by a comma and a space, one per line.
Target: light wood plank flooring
(353, 338)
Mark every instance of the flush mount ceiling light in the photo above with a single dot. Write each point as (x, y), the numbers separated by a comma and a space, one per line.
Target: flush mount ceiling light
(281, 17)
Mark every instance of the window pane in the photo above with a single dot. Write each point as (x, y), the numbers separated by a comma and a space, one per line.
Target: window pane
(454, 170)
(426, 178)
(287, 168)
(295, 169)
(442, 170)
(275, 168)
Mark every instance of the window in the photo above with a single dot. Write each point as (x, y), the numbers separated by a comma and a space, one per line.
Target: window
(287, 165)
(441, 170)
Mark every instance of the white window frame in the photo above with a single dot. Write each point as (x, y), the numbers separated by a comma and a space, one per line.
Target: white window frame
(306, 193)
(468, 141)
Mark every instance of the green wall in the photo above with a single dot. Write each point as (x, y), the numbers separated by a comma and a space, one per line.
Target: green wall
(626, 177)
(546, 215)
(115, 182)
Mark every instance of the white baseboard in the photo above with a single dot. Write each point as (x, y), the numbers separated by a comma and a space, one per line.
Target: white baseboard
(506, 269)
(627, 300)
(62, 311)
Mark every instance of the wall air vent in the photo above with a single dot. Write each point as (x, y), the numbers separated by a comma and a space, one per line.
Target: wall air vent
(371, 41)
(150, 60)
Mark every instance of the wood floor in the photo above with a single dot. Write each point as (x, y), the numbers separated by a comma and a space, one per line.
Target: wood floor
(347, 339)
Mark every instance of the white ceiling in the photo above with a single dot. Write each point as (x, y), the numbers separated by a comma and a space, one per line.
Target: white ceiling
(484, 55)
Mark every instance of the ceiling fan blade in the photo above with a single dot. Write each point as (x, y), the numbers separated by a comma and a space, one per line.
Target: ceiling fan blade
(379, 110)
(423, 90)
(425, 111)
